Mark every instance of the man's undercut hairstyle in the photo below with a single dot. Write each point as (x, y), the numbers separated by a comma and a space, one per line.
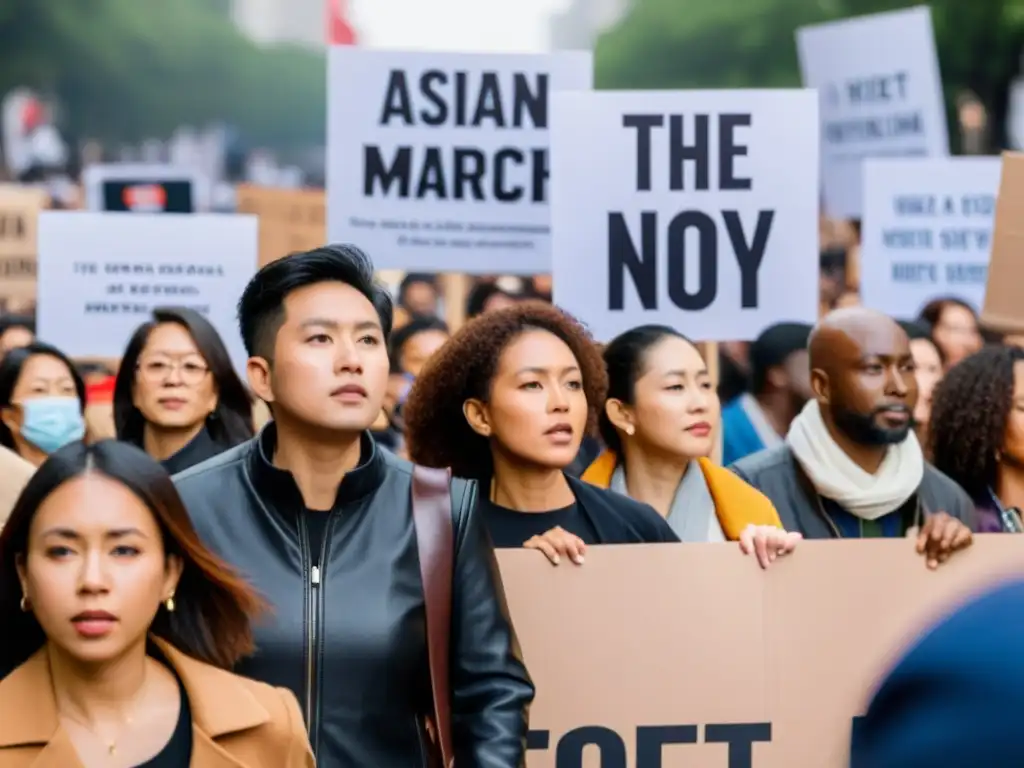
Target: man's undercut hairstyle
(261, 308)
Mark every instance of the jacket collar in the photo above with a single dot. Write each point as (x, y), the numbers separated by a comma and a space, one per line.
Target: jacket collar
(279, 486)
(220, 703)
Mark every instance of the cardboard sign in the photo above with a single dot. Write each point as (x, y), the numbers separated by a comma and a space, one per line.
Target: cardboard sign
(690, 655)
(124, 188)
(927, 231)
(290, 219)
(19, 212)
(438, 162)
(1003, 310)
(881, 96)
(103, 274)
(670, 208)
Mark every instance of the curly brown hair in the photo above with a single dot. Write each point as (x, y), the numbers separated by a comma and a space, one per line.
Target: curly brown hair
(436, 431)
(970, 408)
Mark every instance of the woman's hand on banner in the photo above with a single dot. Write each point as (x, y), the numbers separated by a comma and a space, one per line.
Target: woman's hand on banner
(767, 542)
(558, 543)
(941, 536)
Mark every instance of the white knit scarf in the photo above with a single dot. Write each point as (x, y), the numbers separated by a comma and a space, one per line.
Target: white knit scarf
(837, 477)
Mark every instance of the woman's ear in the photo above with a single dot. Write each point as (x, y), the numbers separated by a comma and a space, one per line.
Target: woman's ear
(620, 415)
(10, 420)
(19, 566)
(172, 575)
(479, 419)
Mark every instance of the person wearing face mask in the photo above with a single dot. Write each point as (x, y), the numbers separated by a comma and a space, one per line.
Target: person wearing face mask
(177, 395)
(780, 384)
(323, 522)
(659, 422)
(119, 628)
(977, 434)
(851, 466)
(42, 402)
(506, 402)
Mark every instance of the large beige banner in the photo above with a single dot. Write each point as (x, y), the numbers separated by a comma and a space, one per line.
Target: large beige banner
(684, 655)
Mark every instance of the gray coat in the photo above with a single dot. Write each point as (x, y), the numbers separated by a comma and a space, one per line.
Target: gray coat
(778, 476)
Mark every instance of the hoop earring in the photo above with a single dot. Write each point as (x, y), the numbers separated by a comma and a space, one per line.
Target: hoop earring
(169, 604)
(24, 604)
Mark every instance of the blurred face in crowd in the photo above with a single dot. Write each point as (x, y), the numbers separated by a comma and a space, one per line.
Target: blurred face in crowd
(797, 376)
(928, 371)
(957, 333)
(15, 337)
(419, 348)
(420, 298)
(499, 301)
(1013, 441)
(94, 570)
(536, 413)
(675, 410)
(45, 413)
(174, 389)
(330, 366)
(867, 382)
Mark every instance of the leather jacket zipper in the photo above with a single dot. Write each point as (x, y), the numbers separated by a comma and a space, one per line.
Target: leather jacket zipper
(313, 632)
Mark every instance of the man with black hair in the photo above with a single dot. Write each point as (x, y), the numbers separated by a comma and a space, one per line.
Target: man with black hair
(780, 384)
(417, 294)
(851, 466)
(319, 519)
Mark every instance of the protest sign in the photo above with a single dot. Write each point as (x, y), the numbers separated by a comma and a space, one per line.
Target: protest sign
(101, 275)
(19, 211)
(290, 220)
(690, 654)
(691, 209)
(125, 188)
(1003, 310)
(438, 162)
(927, 231)
(881, 95)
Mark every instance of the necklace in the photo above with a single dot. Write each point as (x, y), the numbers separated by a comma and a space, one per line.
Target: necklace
(110, 745)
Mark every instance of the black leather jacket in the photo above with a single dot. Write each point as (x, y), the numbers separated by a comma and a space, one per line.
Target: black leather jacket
(349, 638)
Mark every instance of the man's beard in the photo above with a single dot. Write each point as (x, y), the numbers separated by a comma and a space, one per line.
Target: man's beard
(862, 429)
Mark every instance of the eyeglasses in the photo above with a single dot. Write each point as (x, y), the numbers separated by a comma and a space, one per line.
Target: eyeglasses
(157, 370)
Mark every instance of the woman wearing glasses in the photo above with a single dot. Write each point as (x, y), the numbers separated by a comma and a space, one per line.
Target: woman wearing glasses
(177, 396)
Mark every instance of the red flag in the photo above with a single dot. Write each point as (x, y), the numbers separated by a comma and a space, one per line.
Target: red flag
(339, 31)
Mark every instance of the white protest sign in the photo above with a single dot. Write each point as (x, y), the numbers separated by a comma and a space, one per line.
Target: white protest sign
(927, 231)
(881, 96)
(439, 161)
(100, 275)
(695, 209)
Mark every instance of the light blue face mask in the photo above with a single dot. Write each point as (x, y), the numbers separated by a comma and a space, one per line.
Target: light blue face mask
(50, 423)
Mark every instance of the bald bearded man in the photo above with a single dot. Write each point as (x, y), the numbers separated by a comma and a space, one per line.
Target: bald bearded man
(851, 466)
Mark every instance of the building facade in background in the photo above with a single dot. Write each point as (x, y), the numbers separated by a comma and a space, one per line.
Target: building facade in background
(272, 22)
(579, 25)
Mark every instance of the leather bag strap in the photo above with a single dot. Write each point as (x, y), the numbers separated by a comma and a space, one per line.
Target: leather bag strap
(435, 538)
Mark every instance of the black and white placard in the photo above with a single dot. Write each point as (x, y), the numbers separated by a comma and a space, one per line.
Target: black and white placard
(439, 161)
(696, 209)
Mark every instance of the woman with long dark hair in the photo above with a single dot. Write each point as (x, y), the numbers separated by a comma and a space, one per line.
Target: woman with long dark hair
(120, 628)
(176, 395)
(42, 402)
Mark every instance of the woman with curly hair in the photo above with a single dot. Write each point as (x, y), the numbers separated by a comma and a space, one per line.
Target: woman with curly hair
(977, 434)
(507, 402)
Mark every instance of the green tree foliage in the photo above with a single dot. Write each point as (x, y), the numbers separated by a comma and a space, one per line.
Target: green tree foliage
(751, 44)
(127, 70)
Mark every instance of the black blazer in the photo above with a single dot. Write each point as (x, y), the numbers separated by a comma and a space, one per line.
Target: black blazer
(618, 519)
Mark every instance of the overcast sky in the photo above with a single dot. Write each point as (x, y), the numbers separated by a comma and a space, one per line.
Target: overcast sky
(510, 26)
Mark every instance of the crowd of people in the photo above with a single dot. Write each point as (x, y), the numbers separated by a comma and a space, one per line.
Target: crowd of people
(147, 583)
